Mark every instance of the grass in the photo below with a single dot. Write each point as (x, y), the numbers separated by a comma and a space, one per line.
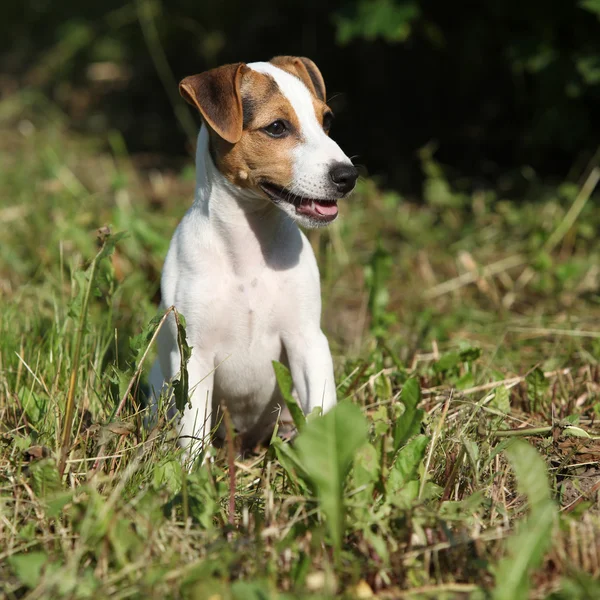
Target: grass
(464, 457)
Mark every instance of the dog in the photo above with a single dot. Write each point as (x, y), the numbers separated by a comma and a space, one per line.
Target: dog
(238, 267)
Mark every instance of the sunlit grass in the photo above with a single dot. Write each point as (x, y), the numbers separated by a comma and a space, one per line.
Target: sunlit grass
(488, 305)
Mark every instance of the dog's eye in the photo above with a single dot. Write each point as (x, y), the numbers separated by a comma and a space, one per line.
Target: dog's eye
(276, 128)
(327, 121)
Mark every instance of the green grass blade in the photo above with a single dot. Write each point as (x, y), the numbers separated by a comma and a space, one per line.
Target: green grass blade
(285, 383)
(525, 549)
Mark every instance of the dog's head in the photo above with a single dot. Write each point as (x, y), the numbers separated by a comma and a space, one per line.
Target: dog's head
(269, 128)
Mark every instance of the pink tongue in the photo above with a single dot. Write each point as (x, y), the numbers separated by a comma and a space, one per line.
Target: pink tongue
(326, 209)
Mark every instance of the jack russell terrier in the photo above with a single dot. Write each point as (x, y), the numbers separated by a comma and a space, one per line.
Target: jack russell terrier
(239, 268)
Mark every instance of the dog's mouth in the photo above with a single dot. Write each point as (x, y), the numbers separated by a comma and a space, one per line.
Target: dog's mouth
(318, 209)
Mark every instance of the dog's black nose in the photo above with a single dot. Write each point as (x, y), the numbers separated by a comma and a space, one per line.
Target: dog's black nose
(344, 177)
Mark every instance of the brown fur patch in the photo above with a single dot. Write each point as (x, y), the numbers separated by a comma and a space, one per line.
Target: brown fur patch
(304, 69)
(257, 156)
(216, 94)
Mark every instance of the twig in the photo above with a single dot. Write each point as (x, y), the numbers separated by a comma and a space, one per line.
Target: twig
(522, 432)
(231, 459)
(434, 439)
(580, 201)
(583, 497)
(495, 268)
(553, 331)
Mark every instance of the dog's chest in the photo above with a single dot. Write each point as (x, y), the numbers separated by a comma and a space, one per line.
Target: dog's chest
(255, 313)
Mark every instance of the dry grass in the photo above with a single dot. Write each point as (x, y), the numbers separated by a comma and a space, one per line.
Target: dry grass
(490, 304)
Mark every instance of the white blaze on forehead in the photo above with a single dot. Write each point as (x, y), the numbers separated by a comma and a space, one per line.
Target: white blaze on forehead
(317, 152)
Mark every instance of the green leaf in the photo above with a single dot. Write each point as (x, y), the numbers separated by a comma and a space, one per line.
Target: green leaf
(109, 243)
(470, 354)
(45, 477)
(576, 432)
(28, 567)
(409, 423)
(447, 362)
(591, 5)
(406, 496)
(168, 475)
(537, 386)
(372, 19)
(501, 399)
(526, 547)
(202, 497)
(406, 465)
(326, 449)
(290, 462)
(472, 450)
(57, 502)
(286, 385)
(366, 472)
(250, 590)
(181, 385)
(34, 405)
(377, 274)
(462, 510)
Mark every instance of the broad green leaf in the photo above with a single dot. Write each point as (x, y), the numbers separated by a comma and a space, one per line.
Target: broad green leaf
(286, 385)
(530, 470)
(525, 552)
(576, 432)
(56, 503)
(326, 449)
(526, 547)
(406, 465)
(447, 362)
(406, 496)
(28, 567)
(45, 477)
(409, 423)
(168, 475)
(366, 471)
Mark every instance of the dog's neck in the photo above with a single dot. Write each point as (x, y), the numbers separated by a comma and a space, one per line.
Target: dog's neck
(254, 231)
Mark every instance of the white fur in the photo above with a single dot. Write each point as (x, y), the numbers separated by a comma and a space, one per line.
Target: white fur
(246, 280)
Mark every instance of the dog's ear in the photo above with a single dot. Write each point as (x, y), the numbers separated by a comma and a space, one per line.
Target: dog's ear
(306, 70)
(216, 94)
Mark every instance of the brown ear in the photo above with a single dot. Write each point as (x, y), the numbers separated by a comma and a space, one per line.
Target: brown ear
(306, 70)
(216, 94)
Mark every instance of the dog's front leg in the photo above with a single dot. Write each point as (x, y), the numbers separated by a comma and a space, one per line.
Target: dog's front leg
(195, 423)
(311, 366)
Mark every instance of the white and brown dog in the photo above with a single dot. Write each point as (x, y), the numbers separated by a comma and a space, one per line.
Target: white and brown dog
(238, 268)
